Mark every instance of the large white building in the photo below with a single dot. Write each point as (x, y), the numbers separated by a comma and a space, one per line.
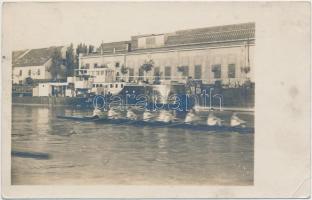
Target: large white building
(221, 53)
(34, 63)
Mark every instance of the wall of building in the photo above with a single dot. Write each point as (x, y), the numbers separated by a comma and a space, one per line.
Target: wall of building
(151, 41)
(47, 73)
(203, 57)
(36, 72)
(112, 67)
(107, 60)
(44, 89)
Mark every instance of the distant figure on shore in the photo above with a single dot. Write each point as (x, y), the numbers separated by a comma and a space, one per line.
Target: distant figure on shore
(191, 117)
(213, 120)
(165, 116)
(131, 115)
(236, 121)
(147, 115)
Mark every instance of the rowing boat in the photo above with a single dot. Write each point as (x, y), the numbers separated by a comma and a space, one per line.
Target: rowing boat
(140, 123)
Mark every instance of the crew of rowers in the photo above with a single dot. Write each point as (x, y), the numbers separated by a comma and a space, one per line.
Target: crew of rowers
(166, 116)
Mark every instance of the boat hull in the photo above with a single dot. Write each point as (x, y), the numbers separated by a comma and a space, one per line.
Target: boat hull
(180, 125)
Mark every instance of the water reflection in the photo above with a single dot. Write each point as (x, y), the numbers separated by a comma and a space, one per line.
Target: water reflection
(93, 153)
(42, 120)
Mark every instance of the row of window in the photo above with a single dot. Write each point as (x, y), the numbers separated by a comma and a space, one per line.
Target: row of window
(96, 65)
(29, 72)
(97, 73)
(216, 69)
(110, 85)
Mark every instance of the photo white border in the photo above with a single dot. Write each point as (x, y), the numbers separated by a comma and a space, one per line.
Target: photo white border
(282, 150)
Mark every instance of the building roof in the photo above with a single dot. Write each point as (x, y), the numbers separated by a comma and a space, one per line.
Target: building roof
(178, 47)
(235, 34)
(33, 57)
(223, 28)
(17, 54)
(226, 33)
(192, 46)
(118, 46)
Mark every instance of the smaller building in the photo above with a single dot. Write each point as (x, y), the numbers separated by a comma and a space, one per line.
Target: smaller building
(34, 64)
(52, 89)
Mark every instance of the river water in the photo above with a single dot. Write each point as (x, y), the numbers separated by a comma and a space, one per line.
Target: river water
(47, 150)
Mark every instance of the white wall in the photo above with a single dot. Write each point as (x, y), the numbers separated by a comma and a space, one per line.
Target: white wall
(159, 41)
(83, 84)
(34, 73)
(206, 57)
(109, 60)
(47, 74)
(44, 72)
(44, 89)
(36, 91)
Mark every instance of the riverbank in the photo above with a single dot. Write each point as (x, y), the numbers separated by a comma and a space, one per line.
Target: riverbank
(87, 103)
(54, 101)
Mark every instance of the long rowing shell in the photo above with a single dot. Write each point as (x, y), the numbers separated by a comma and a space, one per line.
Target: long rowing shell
(78, 118)
(140, 123)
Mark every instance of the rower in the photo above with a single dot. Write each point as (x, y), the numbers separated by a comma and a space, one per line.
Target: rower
(165, 116)
(113, 114)
(190, 117)
(98, 113)
(236, 121)
(131, 115)
(213, 120)
(147, 115)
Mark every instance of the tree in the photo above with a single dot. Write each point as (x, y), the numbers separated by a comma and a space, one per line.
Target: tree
(182, 70)
(117, 64)
(157, 77)
(90, 49)
(148, 65)
(81, 48)
(70, 61)
(124, 70)
(29, 81)
(245, 69)
(56, 63)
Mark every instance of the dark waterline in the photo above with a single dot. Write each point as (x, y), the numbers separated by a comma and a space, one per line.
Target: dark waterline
(48, 150)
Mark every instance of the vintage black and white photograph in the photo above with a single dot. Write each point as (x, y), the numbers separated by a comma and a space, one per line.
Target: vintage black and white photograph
(154, 108)
(133, 93)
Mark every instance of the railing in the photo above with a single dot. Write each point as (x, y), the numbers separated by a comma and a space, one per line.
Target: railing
(158, 77)
(21, 89)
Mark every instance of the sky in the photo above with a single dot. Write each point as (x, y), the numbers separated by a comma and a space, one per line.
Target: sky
(37, 25)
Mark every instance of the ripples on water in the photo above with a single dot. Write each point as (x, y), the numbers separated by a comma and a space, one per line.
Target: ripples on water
(89, 153)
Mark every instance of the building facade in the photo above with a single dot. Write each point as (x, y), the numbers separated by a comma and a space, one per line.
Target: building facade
(34, 64)
(222, 53)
